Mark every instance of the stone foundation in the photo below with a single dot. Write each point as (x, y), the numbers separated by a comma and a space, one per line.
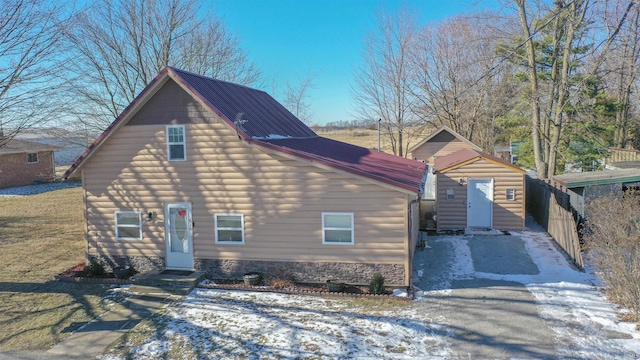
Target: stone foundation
(356, 274)
(140, 264)
(303, 271)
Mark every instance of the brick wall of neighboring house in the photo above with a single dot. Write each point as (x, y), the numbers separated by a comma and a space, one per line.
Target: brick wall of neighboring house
(15, 171)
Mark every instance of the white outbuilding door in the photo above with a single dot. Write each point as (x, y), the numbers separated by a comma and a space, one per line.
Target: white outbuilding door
(480, 203)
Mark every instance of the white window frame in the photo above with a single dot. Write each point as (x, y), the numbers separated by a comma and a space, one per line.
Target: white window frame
(183, 142)
(139, 226)
(451, 194)
(324, 228)
(513, 195)
(33, 162)
(241, 228)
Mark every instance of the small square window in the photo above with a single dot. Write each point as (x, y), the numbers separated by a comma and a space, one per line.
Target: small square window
(176, 143)
(229, 228)
(128, 225)
(337, 228)
(451, 194)
(511, 194)
(32, 158)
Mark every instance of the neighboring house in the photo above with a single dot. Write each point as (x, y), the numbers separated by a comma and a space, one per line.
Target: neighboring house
(208, 175)
(26, 162)
(584, 187)
(475, 189)
(441, 142)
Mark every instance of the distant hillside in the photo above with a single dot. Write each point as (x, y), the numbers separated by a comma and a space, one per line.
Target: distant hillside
(72, 144)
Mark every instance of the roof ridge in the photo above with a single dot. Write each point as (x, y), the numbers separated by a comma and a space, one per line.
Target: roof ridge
(215, 79)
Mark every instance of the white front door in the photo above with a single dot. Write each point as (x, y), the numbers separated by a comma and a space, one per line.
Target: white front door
(480, 203)
(179, 236)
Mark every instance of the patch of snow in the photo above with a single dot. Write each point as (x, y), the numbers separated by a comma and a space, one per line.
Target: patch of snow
(37, 189)
(207, 282)
(571, 301)
(273, 137)
(400, 293)
(238, 324)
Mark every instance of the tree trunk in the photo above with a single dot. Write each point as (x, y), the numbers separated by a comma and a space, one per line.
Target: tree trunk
(533, 78)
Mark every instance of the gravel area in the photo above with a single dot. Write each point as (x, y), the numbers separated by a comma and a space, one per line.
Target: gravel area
(37, 189)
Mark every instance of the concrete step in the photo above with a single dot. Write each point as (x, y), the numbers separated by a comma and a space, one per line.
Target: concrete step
(160, 290)
(166, 282)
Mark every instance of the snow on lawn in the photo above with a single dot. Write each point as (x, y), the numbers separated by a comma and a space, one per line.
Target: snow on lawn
(584, 323)
(213, 324)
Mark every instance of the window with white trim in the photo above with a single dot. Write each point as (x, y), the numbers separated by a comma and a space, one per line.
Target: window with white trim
(176, 143)
(32, 158)
(128, 225)
(511, 194)
(229, 228)
(451, 194)
(337, 228)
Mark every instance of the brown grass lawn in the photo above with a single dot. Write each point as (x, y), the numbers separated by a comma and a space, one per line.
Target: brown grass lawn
(40, 236)
(361, 137)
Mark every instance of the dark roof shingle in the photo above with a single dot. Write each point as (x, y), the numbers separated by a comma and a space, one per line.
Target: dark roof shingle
(464, 155)
(16, 146)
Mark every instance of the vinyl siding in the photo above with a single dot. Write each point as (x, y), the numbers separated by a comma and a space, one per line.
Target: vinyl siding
(507, 214)
(282, 199)
(431, 149)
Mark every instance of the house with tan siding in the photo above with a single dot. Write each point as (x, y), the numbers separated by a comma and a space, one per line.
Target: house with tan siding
(201, 174)
(25, 162)
(479, 190)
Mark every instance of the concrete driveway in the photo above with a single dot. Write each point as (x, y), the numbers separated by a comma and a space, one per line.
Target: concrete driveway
(493, 300)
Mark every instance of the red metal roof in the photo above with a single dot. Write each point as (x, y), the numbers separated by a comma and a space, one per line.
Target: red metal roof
(393, 170)
(465, 155)
(268, 124)
(261, 115)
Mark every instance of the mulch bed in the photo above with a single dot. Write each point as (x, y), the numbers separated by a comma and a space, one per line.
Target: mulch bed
(78, 274)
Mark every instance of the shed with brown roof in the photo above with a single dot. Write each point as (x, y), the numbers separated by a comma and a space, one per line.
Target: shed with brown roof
(25, 162)
(202, 174)
(443, 141)
(478, 190)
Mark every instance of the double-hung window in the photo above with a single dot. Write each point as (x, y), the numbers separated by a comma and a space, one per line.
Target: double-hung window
(128, 225)
(32, 158)
(337, 228)
(229, 228)
(511, 194)
(176, 143)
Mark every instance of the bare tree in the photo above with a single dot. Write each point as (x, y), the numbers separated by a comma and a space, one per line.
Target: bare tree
(458, 78)
(120, 45)
(30, 40)
(296, 97)
(382, 87)
(621, 65)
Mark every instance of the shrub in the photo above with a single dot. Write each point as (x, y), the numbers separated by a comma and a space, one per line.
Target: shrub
(95, 269)
(612, 237)
(377, 284)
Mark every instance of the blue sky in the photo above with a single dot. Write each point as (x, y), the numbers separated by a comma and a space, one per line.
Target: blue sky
(286, 38)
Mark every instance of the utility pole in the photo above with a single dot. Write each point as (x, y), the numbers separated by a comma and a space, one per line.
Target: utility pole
(379, 121)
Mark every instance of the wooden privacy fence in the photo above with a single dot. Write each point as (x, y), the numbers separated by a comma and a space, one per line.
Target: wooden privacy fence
(551, 208)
